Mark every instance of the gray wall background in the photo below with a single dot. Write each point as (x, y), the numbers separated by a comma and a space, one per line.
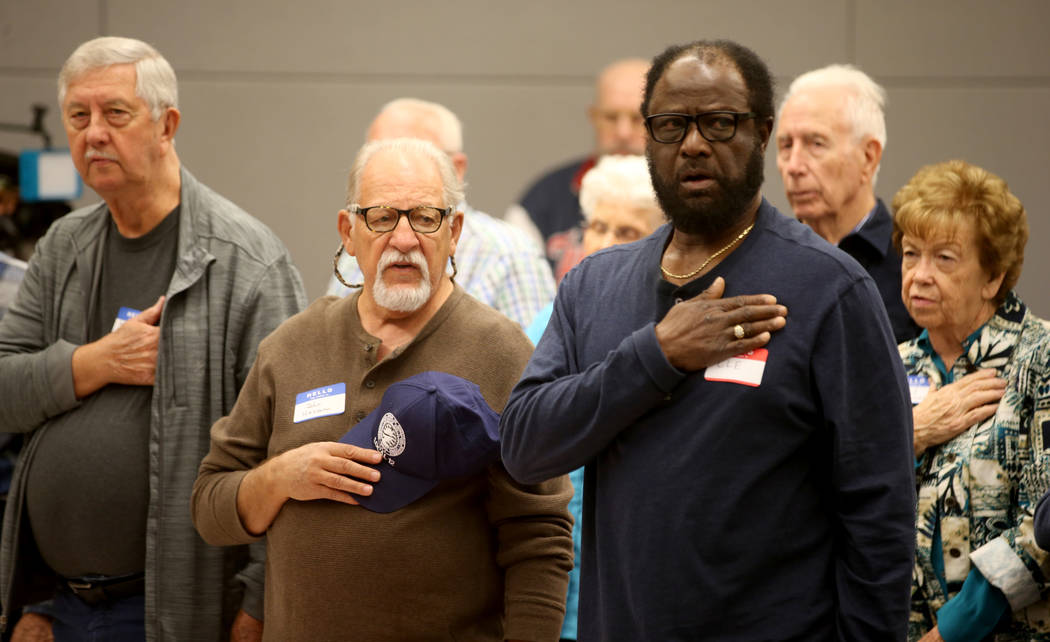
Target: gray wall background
(275, 96)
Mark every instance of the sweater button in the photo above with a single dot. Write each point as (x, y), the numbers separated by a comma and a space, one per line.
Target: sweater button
(370, 384)
(955, 552)
(368, 347)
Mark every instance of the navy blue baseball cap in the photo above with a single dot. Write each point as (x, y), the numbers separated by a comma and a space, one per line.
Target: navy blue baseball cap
(429, 427)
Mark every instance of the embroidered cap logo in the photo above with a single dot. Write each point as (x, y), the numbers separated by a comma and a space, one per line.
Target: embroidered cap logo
(390, 438)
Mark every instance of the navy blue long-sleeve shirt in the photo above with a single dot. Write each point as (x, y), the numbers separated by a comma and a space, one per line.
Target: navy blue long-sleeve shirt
(721, 510)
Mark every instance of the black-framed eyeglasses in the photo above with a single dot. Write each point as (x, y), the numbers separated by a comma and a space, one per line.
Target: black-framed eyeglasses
(424, 219)
(715, 126)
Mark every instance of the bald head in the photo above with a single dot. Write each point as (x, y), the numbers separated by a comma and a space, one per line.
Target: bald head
(616, 114)
(414, 118)
(425, 120)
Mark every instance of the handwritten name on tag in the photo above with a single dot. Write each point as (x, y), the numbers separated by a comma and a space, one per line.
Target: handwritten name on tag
(320, 402)
(744, 368)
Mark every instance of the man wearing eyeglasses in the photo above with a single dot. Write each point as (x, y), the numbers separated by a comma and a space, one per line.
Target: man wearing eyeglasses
(830, 140)
(496, 262)
(478, 557)
(732, 386)
(132, 332)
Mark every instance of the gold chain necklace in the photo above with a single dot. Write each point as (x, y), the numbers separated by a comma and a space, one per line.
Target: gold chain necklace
(709, 259)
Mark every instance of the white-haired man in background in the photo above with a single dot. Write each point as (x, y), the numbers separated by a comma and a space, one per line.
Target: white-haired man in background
(494, 262)
(830, 137)
(133, 331)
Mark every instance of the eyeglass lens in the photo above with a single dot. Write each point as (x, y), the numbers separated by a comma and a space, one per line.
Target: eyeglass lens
(422, 219)
(714, 126)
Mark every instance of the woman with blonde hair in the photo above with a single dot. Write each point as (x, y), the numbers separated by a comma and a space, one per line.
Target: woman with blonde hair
(980, 382)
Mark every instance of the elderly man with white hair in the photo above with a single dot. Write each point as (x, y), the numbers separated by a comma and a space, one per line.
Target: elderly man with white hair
(496, 263)
(830, 139)
(353, 552)
(133, 331)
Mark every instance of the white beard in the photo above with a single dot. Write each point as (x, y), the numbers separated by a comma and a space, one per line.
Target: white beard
(402, 298)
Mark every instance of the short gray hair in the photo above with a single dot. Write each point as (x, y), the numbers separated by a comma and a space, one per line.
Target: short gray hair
(405, 147)
(155, 81)
(865, 99)
(622, 179)
(445, 124)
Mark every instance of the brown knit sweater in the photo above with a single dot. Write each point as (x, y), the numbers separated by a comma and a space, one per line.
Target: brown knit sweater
(477, 559)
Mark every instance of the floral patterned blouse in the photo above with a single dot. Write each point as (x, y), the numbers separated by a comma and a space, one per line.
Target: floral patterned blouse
(979, 489)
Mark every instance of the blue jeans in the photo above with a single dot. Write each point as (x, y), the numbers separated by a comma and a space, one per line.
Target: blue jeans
(122, 620)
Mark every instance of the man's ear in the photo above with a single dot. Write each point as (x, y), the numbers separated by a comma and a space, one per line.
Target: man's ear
(345, 224)
(872, 150)
(765, 130)
(170, 121)
(592, 115)
(459, 161)
(457, 228)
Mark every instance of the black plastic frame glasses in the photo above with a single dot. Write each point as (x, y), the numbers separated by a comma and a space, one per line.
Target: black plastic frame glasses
(714, 126)
(425, 219)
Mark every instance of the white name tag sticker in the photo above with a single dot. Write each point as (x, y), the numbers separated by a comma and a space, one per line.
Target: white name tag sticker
(320, 402)
(123, 316)
(744, 368)
(919, 385)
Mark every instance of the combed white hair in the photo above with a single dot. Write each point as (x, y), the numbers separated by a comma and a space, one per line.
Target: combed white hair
(620, 179)
(406, 147)
(155, 81)
(865, 99)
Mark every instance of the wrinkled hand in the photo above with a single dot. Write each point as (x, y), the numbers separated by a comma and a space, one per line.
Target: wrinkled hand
(32, 627)
(699, 332)
(933, 635)
(326, 470)
(321, 470)
(133, 348)
(127, 355)
(246, 628)
(951, 409)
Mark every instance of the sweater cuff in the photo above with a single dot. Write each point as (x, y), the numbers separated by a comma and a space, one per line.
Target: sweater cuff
(653, 359)
(532, 621)
(999, 563)
(58, 362)
(215, 509)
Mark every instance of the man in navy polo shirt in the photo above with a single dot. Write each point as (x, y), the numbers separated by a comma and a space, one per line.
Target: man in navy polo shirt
(732, 385)
(830, 140)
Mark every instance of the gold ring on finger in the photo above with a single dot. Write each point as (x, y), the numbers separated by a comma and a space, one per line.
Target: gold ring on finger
(738, 331)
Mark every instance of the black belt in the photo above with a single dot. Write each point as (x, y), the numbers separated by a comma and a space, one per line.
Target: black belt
(94, 591)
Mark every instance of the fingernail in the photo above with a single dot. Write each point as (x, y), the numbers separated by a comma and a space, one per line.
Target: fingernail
(366, 490)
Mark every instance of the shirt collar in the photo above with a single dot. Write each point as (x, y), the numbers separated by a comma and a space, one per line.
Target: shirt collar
(989, 346)
(874, 230)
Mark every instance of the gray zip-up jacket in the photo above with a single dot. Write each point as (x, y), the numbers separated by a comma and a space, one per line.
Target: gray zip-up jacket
(233, 283)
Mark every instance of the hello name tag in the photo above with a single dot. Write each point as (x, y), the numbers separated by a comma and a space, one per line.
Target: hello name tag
(744, 368)
(919, 385)
(123, 316)
(320, 402)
